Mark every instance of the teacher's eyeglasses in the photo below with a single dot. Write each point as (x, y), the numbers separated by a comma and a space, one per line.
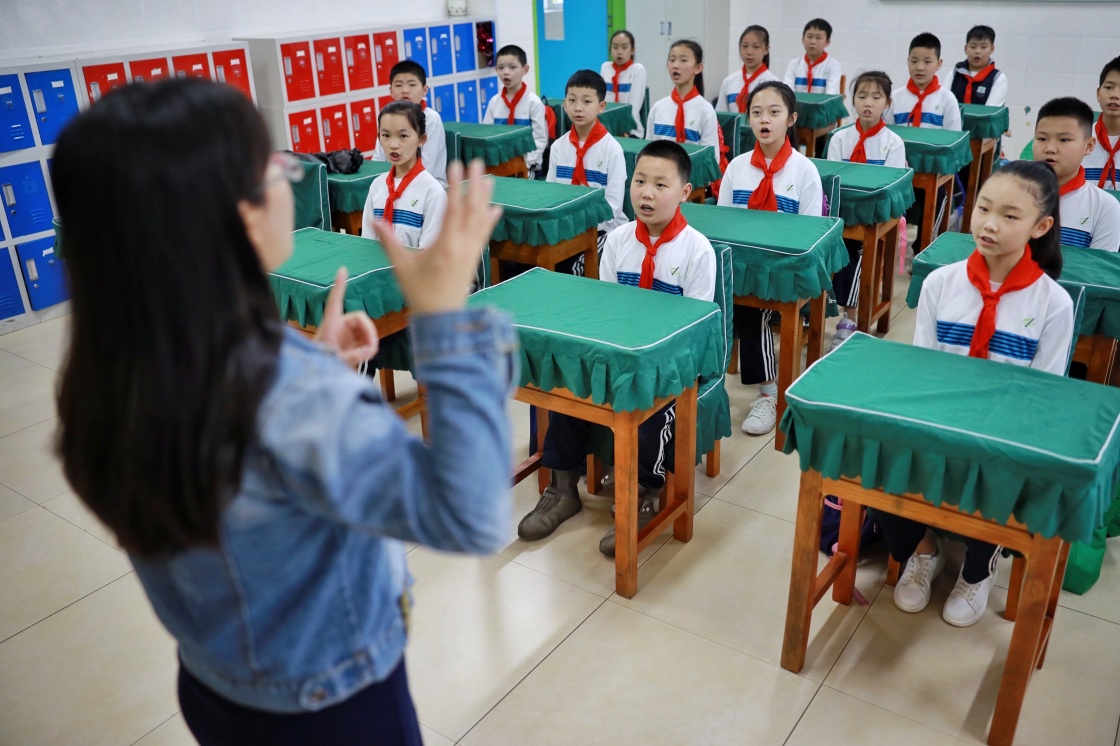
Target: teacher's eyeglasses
(291, 169)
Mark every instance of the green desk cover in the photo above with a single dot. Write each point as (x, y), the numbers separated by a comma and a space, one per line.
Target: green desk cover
(454, 142)
(493, 143)
(983, 436)
(870, 194)
(1114, 193)
(985, 122)
(1094, 271)
(746, 134)
(618, 345)
(618, 118)
(311, 197)
(818, 110)
(929, 151)
(776, 257)
(733, 124)
(349, 191)
(705, 166)
(542, 213)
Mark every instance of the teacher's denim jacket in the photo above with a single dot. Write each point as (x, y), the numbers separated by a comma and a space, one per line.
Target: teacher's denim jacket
(305, 601)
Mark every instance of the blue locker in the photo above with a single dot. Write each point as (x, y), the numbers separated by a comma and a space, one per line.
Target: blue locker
(488, 89)
(15, 126)
(439, 43)
(26, 202)
(42, 273)
(416, 47)
(11, 304)
(53, 100)
(445, 104)
(468, 101)
(463, 38)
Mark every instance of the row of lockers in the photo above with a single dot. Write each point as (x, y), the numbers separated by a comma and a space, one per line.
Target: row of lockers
(42, 277)
(46, 97)
(223, 65)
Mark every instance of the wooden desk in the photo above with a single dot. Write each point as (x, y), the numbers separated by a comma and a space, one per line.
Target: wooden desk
(985, 125)
(502, 147)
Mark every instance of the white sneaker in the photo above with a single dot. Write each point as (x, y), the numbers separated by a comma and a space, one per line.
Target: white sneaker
(912, 592)
(967, 602)
(763, 416)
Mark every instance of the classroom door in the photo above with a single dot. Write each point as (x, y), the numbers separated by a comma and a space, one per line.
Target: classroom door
(571, 35)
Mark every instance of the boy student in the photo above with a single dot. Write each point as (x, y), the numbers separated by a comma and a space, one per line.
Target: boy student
(1063, 136)
(816, 72)
(922, 102)
(976, 79)
(659, 251)
(516, 104)
(409, 82)
(1102, 165)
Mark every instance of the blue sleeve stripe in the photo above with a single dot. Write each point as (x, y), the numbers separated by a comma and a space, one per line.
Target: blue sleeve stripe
(1074, 237)
(1093, 174)
(664, 130)
(741, 196)
(785, 204)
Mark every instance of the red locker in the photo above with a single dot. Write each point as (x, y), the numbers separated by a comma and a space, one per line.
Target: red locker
(336, 128)
(100, 79)
(363, 119)
(303, 129)
(383, 101)
(149, 70)
(359, 63)
(328, 64)
(230, 67)
(385, 55)
(299, 77)
(192, 66)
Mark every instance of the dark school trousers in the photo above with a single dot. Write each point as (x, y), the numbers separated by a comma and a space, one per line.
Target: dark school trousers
(567, 443)
(903, 535)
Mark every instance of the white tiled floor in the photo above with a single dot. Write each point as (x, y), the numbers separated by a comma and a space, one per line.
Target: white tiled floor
(531, 645)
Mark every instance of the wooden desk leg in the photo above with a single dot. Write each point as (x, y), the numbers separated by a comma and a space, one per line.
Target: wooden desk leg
(594, 475)
(948, 206)
(1052, 604)
(711, 461)
(1014, 587)
(973, 184)
(684, 460)
(495, 271)
(929, 212)
(815, 349)
(867, 274)
(388, 384)
(544, 474)
(788, 359)
(1101, 359)
(799, 610)
(626, 504)
(591, 256)
(887, 258)
(848, 544)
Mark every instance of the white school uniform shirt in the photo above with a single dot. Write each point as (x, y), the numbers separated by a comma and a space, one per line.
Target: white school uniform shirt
(883, 149)
(733, 85)
(997, 96)
(605, 166)
(1034, 326)
(826, 75)
(417, 214)
(631, 90)
(529, 113)
(433, 152)
(797, 186)
(1095, 162)
(940, 110)
(1090, 218)
(684, 266)
(700, 124)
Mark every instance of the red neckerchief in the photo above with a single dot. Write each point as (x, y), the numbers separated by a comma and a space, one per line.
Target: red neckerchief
(598, 132)
(744, 94)
(679, 123)
(1022, 275)
(423, 104)
(916, 112)
(1108, 173)
(516, 99)
(859, 154)
(1073, 184)
(811, 65)
(977, 78)
(671, 231)
(617, 72)
(763, 197)
(396, 192)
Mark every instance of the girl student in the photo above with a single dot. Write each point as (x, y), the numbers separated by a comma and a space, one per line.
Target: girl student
(774, 177)
(869, 141)
(754, 51)
(685, 115)
(980, 307)
(406, 196)
(261, 488)
(626, 78)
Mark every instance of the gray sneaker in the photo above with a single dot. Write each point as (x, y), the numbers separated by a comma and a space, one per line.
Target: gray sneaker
(647, 509)
(559, 502)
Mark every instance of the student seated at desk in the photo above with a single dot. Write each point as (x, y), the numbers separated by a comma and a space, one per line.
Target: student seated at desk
(588, 155)
(409, 82)
(774, 177)
(685, 115)
(627, 78)
(658, 251)
(976, 79)
(1102, 165)
(923, 102)
(754, 51)
(1063, 136)
(516, 104)
(406, 196)
(816, 72)
(980, 307)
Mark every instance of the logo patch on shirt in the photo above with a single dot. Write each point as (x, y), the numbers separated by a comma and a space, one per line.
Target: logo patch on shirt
(789, 187)
(674, 270)
(981, 89)
(1084, 221)
(1028, 322)
(415, 201)
(599, 164)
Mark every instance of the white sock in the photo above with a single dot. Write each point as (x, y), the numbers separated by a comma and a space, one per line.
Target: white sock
(768, 389)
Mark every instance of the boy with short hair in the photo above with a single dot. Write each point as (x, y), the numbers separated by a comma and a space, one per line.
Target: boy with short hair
(409, 82)
(1063, 136)
(658, 251)
(1102, 165)
(923, 102)
(976, 79)
(516, 104)
(816, 72)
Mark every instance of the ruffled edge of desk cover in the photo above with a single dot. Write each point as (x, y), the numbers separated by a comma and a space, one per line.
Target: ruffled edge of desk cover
(500, 147)
(818, 115)
(792, 277)
(304, 304)
(552, 227)
(875, 207)
(989, 125)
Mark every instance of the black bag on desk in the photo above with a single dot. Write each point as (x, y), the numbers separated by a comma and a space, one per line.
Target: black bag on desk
(337, 161)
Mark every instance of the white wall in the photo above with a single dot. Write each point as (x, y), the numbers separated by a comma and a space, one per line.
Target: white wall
(1047, 49)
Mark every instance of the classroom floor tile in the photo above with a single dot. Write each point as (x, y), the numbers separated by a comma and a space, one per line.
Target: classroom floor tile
(42, 343)
(172, 732)
(835, 717)
(29, 398)
(28, 464)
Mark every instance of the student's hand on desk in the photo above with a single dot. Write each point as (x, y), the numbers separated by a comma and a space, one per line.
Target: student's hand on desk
(438, 278)
(352, 334)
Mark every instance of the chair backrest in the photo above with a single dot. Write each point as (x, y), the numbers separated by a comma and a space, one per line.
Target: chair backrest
(312, 198)
(713, 409)
(644, 113)
(831, 186)
(454, 141)
(731, 122)
(1078, 296)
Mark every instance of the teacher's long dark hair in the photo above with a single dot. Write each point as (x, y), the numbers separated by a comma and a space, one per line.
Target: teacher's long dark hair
(174, 336)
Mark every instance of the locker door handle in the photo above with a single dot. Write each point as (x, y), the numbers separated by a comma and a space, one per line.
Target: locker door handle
(288, 66)
(9, 195)
(319, 61)
(439, 105)
(408, 49)
(326, 128)
(662, 31)
(32, 270)
(670, 28)
(462, 101)
(350, 57)
(458, 44)
(220, 71)
(354, 118)
(295, 134)
(377, 53)
(40, 101)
